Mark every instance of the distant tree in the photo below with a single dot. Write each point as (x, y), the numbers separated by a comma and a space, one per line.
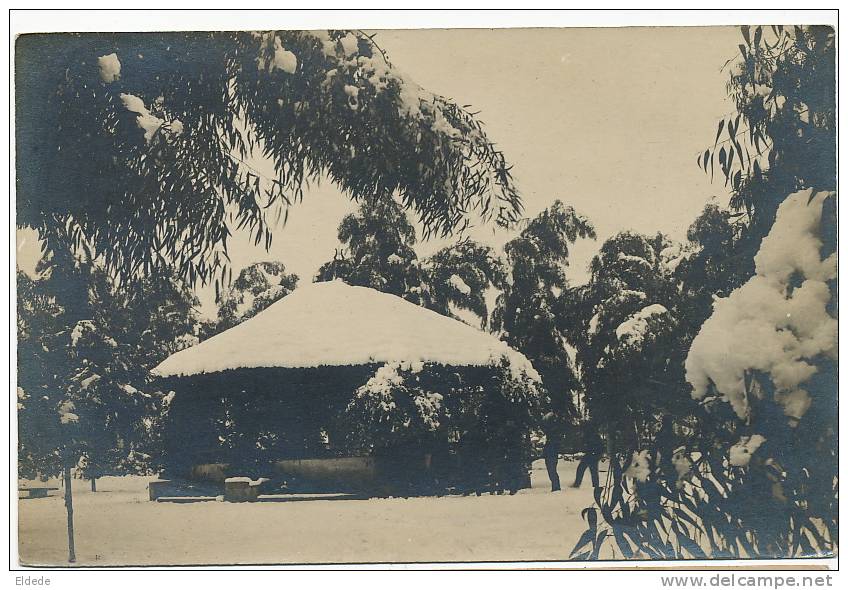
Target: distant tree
(84, 348)
(459, 277)
(710, 264)
(65, 382)
(101, 340)
(525, 312)
(150, 319)
(136, 143)
(157, 316)
(255, 289)
(378, 250)
(626, 330)
(38, 406)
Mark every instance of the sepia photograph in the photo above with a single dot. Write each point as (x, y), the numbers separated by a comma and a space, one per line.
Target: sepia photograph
(424, 295)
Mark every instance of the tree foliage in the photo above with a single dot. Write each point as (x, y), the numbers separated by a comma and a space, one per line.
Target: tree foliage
(255, 289)
(712, 265)
(84, 348)
(526, 312)
(136, 143)
(377, 249)
(459, 277)
(472, 421)
(625, 324)
(749, 470)
(780, 139)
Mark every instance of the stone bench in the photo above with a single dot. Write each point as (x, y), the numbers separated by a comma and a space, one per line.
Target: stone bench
(242, 489)
(157, 489)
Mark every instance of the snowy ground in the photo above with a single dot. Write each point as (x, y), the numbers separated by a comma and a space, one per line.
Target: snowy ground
(117, 525)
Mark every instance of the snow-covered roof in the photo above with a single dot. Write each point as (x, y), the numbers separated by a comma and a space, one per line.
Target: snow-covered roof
(335, 324)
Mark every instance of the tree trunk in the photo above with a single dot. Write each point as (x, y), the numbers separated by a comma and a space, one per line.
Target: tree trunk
(69, 505)
(93, 484)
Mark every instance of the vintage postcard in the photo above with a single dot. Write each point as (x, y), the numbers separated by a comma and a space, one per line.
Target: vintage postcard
(426, 296)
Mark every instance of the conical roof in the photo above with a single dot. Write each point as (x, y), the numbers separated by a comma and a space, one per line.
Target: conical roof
(334, 324)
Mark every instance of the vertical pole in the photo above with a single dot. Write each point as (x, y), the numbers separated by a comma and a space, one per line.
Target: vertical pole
(69, 505)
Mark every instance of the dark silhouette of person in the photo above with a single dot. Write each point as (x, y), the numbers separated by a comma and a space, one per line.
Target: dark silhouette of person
(553, 440)
(593, 450)
(665, 444)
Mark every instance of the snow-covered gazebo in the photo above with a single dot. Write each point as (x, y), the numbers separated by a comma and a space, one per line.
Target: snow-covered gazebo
(333, 370)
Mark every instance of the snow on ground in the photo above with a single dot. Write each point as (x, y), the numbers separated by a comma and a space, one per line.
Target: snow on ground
(334, 324)
(117, 525)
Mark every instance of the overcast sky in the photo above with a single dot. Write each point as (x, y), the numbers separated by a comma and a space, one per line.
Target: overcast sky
(609, 121)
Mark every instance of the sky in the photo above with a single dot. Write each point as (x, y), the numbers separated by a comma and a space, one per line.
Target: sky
(609, 121)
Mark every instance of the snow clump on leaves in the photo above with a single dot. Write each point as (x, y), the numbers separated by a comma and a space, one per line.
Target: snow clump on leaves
(778, 322)
(66, 413)
(110, 67)
(682, 464)
(640, 466)
(147, 122)
(460, 285)
(284, 59)
(633, 330)
(740, 453)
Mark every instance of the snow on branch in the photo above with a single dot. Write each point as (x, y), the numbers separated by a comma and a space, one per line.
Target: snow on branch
(778, 322)
(315, 104)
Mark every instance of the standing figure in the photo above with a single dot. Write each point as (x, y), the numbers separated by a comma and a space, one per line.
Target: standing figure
(593, 448)
(664, 443)
(553, 439)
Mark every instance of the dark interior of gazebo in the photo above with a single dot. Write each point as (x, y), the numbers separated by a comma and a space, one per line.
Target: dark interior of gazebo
(259, 422)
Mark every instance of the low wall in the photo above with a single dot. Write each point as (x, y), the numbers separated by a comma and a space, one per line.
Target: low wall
(332, 472)
(370, 475)
(216, 472)
(342, 473)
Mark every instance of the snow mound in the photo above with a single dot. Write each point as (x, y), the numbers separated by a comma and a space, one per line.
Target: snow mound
(778, 321)
(350, 44)
(334, 324)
